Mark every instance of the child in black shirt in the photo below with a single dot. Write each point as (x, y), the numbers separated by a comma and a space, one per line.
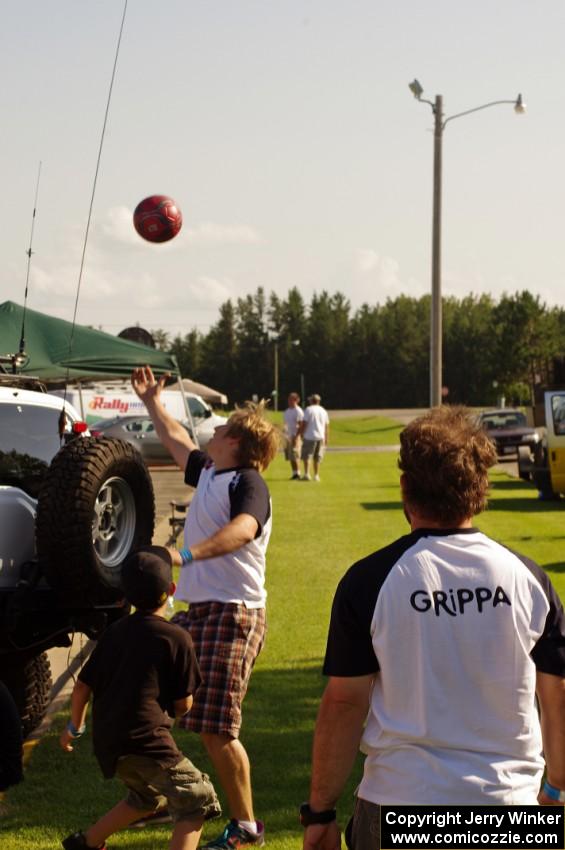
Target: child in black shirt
(142, 672)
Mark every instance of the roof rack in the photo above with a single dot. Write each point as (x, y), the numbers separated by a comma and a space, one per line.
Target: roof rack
(16, 361)
(22, 382)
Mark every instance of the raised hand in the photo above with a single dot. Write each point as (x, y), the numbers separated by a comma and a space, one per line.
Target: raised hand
(146, 387)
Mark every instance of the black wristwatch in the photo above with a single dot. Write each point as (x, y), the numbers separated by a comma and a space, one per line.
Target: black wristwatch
(309, 817)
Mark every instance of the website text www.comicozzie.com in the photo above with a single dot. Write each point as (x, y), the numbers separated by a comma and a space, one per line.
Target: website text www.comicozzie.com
(477, 827)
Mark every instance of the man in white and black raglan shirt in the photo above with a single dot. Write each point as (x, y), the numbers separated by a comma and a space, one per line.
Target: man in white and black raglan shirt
(223, 579)
(441, 641)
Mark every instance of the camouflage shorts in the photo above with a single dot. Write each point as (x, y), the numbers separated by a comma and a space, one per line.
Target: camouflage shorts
(186, 791)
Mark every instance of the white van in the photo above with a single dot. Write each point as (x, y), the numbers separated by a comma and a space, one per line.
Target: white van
(110, 400)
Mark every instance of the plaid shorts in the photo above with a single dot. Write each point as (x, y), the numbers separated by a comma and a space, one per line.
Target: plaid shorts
(227, 638)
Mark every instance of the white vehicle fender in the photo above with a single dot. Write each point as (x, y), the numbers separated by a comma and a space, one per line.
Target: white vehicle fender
(17, 533)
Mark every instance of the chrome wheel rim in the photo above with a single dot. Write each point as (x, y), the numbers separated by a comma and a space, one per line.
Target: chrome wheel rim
(113, 522)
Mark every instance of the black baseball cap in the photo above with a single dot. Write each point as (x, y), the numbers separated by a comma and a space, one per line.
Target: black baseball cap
(146, 577)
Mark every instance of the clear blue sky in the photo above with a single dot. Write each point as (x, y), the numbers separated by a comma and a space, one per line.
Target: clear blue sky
(288, 136)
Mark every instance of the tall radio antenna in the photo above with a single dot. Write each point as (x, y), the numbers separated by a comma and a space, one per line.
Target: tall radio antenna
(29, 252)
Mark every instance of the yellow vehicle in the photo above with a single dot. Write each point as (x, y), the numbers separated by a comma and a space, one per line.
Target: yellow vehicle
(545, 464)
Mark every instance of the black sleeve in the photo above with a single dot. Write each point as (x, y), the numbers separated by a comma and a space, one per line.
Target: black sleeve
(349, 650)
(93, 665)
(186, 672)
(99, 667)
(11, 771)
(250, 495)
(195, 464)
(549, 652)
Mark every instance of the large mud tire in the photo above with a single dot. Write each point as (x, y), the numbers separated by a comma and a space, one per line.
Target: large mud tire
(30, 685)
(96, 506)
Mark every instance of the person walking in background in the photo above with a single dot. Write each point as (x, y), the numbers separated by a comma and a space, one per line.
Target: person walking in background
(142, 672)
(314, 430)
(445, 638)
(293, 416)
(222, 578)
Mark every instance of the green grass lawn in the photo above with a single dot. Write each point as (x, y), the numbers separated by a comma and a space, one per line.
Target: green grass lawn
(364, 431)
(357, 430)
(319, 530)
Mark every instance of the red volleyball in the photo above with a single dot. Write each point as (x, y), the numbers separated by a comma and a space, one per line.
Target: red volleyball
(157, 218)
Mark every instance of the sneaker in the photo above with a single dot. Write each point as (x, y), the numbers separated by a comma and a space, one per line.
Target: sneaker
(316, 478)
(77, 841)
(235, 836)
(160, 816)
(305, 478)
(295, 477)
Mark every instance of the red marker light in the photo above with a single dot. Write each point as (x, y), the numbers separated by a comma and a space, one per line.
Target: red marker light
(79, 427)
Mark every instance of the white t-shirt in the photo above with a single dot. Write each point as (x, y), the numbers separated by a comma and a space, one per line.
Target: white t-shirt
(454, 627)
(316, 419)
(292, 416)
(220, 496)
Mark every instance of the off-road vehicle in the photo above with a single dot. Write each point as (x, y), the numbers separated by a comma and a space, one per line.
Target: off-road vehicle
(72, 507)
(545, 465)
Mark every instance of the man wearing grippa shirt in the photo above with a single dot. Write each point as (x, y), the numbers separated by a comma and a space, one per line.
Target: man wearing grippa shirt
(441, 642)
(223, 579)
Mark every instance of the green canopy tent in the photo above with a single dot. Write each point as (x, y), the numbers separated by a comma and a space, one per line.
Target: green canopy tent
(94, 354)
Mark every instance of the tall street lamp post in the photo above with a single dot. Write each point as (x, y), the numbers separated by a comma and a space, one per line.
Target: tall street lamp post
(436, 307)
(276, 393)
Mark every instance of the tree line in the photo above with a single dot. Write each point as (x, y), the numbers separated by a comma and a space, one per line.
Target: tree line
(376, 356)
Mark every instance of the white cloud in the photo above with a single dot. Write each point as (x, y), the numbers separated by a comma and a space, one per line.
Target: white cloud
(53, 283)
(210, 290)
(367, 260)
(385, 269)
(117, 224)
(118, 287)
(216, 234)
(375, 277)
(100, 286)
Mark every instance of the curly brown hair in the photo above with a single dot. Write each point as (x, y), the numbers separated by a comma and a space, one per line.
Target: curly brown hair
(445, 456)
(259, 439)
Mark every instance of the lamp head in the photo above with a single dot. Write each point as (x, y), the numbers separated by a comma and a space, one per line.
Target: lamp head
(519, 106)
(416, 88)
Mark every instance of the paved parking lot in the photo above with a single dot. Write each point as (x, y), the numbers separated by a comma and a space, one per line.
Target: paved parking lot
(168, 483)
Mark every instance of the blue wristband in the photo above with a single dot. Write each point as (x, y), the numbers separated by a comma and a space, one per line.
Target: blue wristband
(186, 556)
(553, 793)
(73, 731)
